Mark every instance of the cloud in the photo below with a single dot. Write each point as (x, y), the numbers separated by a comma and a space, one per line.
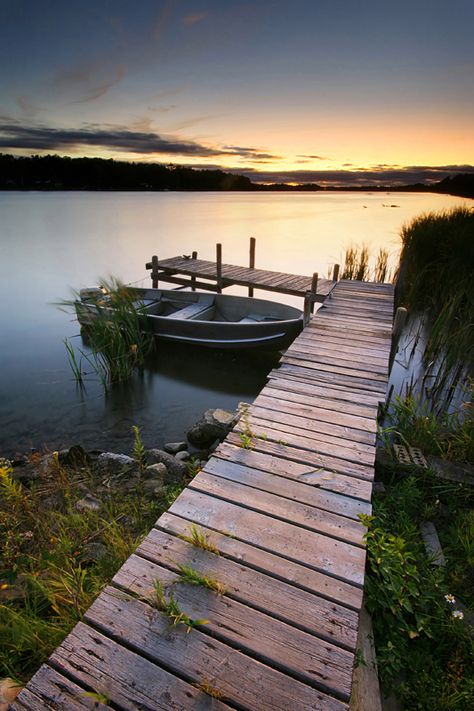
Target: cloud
(253, 153)
(27, 106)
(314, 157)
(407, 175)
(16, 136)
(90, 79)
(194, 17)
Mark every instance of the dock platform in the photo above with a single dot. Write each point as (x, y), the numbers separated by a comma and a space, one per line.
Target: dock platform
(215, 277)
(272, 523)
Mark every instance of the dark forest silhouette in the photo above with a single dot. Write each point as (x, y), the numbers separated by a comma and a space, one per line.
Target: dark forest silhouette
(54, 172)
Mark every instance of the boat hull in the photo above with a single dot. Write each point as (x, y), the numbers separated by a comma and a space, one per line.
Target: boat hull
(211, 321)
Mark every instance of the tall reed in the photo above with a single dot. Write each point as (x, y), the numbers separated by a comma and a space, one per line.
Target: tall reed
(117, 334)
(436, 280)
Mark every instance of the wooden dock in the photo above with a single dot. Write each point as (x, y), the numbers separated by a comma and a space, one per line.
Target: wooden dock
(278, 505)
(216, 276)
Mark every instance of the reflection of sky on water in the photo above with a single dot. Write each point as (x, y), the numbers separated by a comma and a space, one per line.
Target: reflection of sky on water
(51, 242)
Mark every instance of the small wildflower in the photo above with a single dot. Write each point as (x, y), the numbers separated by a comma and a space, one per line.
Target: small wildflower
(450, 598)
(4, 586)
(458, 614)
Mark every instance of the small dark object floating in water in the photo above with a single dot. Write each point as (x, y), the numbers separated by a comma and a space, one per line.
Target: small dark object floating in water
(212, 320)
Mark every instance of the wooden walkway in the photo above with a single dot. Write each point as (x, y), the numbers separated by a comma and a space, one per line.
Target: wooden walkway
(282, 519)
(170, 269)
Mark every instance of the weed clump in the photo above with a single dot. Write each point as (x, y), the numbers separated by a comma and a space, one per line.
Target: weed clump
(192, 576)
(170, 607)
(115, 329)
(197, 538)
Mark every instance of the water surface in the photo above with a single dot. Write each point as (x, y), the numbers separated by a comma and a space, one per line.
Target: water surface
(53, 242)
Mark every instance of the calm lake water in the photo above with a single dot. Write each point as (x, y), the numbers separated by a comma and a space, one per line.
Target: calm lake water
(51, 243)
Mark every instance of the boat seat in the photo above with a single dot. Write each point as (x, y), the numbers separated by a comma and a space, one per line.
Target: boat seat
(193, 310)
(252, 318)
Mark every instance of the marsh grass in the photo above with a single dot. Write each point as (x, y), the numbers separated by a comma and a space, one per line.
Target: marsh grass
(117, 333)
(357, 265)
(55, 559)
(436, 281)
(381, 273)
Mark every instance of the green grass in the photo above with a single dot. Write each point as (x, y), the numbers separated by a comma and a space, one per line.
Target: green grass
(417, 637)
(449, 436)
(49, 573)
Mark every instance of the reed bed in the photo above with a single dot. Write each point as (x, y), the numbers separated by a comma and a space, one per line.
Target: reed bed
(357, 265)
(436, 282)
(117, 336)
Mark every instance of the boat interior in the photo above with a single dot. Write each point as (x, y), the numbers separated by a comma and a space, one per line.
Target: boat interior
(209, 307)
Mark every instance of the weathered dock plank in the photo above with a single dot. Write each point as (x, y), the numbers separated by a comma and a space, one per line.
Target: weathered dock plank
(278, 507)
(198, 658)
(267, 280)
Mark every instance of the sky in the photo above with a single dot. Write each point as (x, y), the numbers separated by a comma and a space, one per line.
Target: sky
(327, 91)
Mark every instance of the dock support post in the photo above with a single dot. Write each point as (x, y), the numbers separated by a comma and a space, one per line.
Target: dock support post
(335, 272)
(154, 271)
(219, 268)
(193, 279)
(307, 309)
(252, 260)
(314, 288)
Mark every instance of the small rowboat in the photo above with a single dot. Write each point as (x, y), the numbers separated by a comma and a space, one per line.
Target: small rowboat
(212, 320)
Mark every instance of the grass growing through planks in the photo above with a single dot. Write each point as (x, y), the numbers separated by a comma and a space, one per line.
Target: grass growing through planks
(170, 607)
(192, 576)
(247, 436)
(96, 696)
(197, 538)
(206, 687)
(436, 271)
(55, 559)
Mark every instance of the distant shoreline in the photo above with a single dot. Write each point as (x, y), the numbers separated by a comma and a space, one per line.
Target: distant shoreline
(54, 173)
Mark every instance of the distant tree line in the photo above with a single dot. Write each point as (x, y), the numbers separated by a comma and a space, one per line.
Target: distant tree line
(54, 172)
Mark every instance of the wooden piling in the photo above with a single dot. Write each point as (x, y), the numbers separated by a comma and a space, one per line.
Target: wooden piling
(335, 272)
(314, 288)
(193, 279)
(154, 271)
(219, 268)
(252, 260)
